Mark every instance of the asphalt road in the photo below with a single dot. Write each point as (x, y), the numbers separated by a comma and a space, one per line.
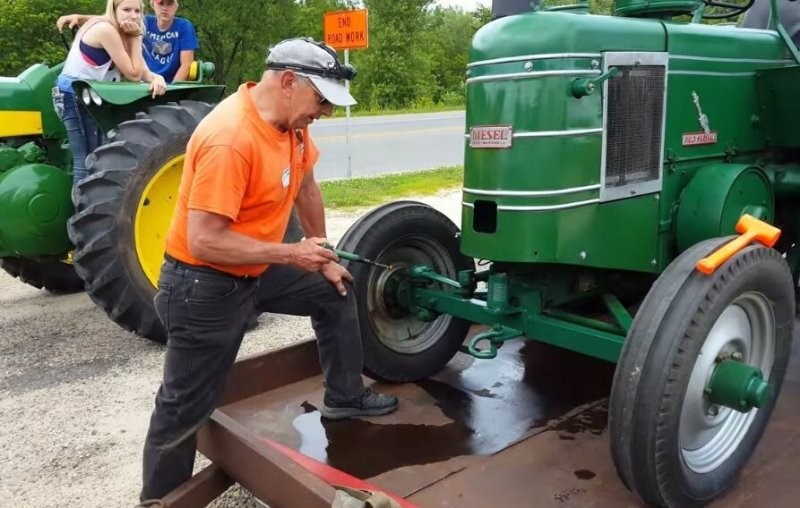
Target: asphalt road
(389, 144)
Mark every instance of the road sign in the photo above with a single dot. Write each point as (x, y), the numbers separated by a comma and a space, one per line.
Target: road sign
(346, 29)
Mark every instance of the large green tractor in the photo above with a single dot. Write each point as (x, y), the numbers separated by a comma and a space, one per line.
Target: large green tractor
(111, 242)
(608, 162)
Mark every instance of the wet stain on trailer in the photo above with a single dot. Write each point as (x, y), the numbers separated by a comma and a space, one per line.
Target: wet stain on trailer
(490, 404)
(584, 474)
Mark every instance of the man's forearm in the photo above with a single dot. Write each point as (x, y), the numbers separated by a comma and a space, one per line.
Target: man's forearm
(186, 59)
(228, 247)
(182, 73)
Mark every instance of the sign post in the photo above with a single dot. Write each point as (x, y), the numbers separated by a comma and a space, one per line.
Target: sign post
(346, 30)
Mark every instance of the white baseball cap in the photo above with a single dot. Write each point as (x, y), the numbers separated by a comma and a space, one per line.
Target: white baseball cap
(317, 62)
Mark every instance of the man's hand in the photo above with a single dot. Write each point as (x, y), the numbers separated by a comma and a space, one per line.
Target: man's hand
(336, 274)
(70, 20)
(310, 256)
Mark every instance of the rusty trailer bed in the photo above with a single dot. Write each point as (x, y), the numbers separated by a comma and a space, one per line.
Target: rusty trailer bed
(527, 429)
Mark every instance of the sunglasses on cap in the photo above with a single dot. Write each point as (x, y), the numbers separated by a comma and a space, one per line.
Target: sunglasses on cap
(322, 100)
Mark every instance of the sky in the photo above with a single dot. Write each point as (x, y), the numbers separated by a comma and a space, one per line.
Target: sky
(467, 5)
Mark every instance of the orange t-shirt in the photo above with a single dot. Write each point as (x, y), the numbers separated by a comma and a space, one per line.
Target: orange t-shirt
(240, 166)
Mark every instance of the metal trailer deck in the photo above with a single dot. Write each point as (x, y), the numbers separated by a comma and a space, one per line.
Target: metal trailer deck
(525, 429)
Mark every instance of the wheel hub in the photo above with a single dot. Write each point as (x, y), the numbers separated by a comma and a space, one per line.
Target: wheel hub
(395, 325)
(738, 386)
(710, 430)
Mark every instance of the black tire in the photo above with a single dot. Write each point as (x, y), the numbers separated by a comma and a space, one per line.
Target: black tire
(54, 276)
(651, 417)
(102, 228)
(400, 234)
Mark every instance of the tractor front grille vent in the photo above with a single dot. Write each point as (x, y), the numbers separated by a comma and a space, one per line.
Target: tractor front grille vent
(634, 119)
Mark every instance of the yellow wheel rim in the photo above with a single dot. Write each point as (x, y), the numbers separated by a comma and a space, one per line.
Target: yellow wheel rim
(154, 214)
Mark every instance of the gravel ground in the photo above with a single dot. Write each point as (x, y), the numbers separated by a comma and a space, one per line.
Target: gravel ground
(76, 393)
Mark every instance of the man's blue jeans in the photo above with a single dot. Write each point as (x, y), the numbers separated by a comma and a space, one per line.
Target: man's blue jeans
(205, 312)
(83, 133)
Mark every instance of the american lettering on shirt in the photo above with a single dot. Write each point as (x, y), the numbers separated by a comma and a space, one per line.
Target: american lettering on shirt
(162, 36)
(162, 50)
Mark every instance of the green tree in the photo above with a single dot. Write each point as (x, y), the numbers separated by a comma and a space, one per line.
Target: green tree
(482, 15)
(448, 39)
(311, 12)
(417, 52)
(236, 34)
(395, 70)
(28, 33)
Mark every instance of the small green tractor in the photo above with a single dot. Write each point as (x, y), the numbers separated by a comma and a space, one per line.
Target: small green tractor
(605, 157)
(111, 242)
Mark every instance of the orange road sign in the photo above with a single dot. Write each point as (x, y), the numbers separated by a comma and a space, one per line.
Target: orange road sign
(346, 29)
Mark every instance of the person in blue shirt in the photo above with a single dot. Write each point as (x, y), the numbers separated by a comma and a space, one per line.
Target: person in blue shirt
(169, 41)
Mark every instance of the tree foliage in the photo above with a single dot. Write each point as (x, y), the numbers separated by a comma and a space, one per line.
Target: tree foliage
(417, 51)
(417, 54)
(28, 32)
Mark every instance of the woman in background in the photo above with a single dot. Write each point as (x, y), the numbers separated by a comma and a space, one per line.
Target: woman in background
(106, 48)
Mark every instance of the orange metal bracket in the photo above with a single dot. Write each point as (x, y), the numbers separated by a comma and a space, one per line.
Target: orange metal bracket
(750, 230)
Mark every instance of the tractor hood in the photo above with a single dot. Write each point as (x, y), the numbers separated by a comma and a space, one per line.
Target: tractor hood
(559, 33)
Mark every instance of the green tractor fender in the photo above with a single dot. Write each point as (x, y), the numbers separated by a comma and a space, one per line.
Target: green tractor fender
(112, 103)
(716, 196)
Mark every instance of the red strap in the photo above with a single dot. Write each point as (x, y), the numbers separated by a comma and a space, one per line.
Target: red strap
(334, 476)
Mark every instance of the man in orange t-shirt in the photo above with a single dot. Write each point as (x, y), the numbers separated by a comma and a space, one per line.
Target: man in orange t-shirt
(249, 162)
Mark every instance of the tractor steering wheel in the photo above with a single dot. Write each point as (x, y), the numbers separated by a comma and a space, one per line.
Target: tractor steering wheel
(68, 44)
(733, 9)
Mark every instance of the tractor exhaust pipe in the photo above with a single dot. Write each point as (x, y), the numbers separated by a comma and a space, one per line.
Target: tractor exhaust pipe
(503, 8)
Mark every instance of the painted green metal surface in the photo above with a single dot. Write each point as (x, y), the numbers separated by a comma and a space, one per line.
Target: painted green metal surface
(115, 103)
(717, 196)
(654, 8)
(780, 107)
(546, 185)
(559, 332)
(572, 236)
(738, 386)
(32, 91)
(558, 165)
(34, 207)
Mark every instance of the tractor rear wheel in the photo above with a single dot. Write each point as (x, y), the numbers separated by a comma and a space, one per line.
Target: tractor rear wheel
(398, 346)
(54, 276)
(696, 344)
(123, 209)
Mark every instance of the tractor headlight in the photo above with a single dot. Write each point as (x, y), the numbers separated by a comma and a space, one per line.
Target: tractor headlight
(89, 96)
(95, 97)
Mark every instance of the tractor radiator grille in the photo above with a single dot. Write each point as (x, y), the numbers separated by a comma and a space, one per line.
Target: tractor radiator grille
(635, 114)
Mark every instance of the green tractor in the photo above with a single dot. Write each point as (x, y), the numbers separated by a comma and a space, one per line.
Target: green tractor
(111, 243)
(608, 161)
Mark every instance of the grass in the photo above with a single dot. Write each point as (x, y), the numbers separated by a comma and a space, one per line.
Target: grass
(355, 111)
(359, 192)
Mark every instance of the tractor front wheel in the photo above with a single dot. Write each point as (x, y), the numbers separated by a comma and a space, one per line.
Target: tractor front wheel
(124, 208)
(699, 374)
(398, 346)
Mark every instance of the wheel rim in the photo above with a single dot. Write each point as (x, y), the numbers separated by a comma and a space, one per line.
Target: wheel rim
(395, 327)
(710, 434)
(154, 214)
